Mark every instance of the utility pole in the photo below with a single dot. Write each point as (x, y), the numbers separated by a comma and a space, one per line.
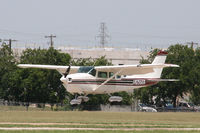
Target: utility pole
(51, 39)
(103, 35)
(192, 44)
(10, 42)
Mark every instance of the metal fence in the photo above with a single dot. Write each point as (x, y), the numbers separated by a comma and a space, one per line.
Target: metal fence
(24, 106)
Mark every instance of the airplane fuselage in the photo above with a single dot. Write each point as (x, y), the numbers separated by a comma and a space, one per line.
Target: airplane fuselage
(84, 83)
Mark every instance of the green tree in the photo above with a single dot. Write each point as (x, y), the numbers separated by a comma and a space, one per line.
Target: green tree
(7, 68)
(43, 85)
(194, 79)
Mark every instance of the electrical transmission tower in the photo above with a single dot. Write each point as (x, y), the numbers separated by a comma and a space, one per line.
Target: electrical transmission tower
(51, 39)
(103, 35)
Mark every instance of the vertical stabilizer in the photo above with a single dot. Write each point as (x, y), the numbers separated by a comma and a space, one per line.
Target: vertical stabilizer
(159, 59)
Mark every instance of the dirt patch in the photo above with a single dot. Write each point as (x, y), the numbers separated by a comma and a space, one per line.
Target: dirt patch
(113, 129)
(78, 124)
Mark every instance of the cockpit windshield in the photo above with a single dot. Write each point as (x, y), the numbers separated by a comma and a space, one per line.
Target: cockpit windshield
(85, 69)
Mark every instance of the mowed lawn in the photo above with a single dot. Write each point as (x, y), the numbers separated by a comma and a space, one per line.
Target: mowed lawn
(106, 120)
(179, 118)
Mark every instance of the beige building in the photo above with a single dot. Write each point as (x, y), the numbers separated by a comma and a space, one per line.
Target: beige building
(117, 56)
(124, 56)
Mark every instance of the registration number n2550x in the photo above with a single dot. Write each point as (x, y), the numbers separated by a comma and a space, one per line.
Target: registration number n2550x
(139, 82)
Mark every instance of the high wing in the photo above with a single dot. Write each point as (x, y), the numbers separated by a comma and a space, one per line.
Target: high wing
(124, 69)
(60, 69)
(133, 69)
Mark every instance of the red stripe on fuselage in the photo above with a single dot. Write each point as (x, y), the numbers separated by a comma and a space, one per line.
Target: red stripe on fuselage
(96, 81)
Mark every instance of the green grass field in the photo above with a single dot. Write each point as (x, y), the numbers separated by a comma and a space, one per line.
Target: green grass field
(105, 120)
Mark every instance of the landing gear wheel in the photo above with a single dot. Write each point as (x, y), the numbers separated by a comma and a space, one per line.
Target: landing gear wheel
(75, 101)
(115, 99)
(83, 98)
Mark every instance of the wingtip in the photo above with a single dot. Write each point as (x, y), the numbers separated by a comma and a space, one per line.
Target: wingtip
(177, 66)
(172, 65)
(20, 65)
(23, 65)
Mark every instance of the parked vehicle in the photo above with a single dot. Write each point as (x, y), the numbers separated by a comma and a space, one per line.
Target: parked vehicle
(186, 106)
(145, 108)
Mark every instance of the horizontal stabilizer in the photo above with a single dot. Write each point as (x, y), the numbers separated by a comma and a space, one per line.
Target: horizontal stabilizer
(164, 80)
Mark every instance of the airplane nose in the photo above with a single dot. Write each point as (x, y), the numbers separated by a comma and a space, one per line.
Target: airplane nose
(65, 79)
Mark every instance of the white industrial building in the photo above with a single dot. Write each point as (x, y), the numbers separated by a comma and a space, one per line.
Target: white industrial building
(116, 56)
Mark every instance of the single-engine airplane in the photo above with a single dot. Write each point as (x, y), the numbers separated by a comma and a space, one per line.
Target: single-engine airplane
(86, 80)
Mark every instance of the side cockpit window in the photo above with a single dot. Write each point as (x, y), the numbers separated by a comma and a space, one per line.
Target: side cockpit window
(102, 74)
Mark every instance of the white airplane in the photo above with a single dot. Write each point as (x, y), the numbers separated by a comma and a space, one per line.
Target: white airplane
(86, 80)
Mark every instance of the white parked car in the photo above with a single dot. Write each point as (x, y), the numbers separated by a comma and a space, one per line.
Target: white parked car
(144, 108)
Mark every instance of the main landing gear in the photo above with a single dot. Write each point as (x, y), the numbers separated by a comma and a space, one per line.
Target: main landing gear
(79, 99)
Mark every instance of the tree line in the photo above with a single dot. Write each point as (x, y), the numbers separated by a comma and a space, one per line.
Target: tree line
(44, 86)
(188, 74)
(39, 85)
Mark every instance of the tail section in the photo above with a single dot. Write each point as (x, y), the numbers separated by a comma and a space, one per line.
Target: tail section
(157, 65)
(159, 59)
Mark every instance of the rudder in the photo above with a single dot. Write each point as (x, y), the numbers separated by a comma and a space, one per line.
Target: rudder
(159, 59)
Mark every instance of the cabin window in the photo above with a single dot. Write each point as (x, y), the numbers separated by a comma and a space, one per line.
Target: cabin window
(118, 77)
(111, 74)
(102, 74)
(85, 69)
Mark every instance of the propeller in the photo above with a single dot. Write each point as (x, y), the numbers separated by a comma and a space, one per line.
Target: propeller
(67, 71)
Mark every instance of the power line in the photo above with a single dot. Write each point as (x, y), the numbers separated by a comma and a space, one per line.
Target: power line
(103, 35)
(9, 42)
(192, 44)
(51, 39)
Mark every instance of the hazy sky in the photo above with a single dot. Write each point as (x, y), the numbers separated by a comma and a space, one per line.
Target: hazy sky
(130, 23)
